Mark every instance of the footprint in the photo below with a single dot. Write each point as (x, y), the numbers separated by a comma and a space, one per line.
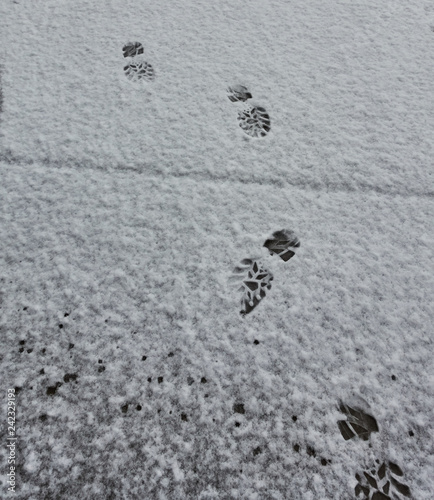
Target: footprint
(358, 423)
(138, 70)
(254, 121)
(380, 483)
(238, 93)
(252, 279)
(283, 243)
(132, 49)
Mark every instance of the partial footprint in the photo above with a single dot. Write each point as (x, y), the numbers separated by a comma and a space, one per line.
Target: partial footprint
(138, 70)
(252, 279)
(132, 49)
(254, 121)
(283, 243)
(238, 93)
(358, 423)
(380, 483)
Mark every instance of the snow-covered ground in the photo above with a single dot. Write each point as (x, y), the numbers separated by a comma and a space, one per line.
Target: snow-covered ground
(127, 205)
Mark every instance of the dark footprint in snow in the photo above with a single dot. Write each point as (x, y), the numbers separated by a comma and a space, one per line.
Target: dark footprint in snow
(358, 423)
(138, 70)
(252, 280)
(283, 243)
(380, 483)
(132, 49)
(238, 93)
(254, 121)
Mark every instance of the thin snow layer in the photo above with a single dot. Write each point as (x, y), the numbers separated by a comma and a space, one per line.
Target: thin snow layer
(347, 85)
(127, 205)
(115, 279)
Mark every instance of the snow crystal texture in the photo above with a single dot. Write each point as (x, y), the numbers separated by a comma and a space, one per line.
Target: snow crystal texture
(127, 202)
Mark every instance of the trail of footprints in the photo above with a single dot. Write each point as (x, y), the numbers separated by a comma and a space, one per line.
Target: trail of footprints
(253, 120)
(384, 479)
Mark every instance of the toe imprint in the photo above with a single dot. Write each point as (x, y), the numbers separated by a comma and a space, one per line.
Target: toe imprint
(253, 280)
(138, 70)
(255, 122)
(380, 482)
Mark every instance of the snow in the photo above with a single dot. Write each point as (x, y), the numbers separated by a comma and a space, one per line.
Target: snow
(127, 205)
